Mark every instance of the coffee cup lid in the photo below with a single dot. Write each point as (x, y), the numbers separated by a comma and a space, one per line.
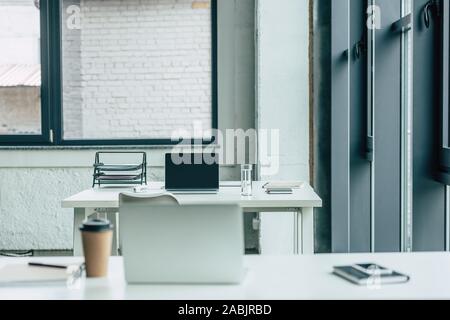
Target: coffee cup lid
(96, 225)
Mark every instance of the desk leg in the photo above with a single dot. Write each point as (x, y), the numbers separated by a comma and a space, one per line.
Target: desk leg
(307, 224)
(296, 232)
(113, 216)
(80, 214)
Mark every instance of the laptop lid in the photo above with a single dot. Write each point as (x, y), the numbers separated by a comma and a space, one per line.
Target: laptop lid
(182, 244)
(191, 171)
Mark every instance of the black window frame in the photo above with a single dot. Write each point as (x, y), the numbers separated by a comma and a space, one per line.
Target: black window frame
(52, 130)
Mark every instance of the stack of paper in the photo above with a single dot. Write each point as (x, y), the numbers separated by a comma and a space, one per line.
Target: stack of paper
(284, 185)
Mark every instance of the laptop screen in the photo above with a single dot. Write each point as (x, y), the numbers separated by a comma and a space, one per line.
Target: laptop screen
(191, 171)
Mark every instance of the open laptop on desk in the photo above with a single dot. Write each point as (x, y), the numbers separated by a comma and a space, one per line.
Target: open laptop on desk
(194, 175)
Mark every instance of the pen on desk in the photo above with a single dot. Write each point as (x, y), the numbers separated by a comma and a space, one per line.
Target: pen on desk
(37, 264)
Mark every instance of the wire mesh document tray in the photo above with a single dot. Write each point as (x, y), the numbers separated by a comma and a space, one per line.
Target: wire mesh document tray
(109, 171)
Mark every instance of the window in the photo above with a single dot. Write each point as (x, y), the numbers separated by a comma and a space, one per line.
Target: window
(22, 117)
(122, 72)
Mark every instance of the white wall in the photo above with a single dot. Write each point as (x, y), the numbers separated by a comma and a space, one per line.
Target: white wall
(283, 101)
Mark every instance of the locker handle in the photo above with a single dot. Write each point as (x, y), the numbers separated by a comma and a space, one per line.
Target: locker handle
(431, 8)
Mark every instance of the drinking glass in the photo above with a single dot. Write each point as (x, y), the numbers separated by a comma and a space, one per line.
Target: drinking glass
(246, 180)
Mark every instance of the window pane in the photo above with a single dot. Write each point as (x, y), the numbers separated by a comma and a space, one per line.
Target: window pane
(20, 68)
(136, 69)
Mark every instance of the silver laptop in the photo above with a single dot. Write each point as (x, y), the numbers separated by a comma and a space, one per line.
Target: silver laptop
(181, 244)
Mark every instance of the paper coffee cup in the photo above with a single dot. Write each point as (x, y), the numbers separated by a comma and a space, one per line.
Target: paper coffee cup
(96, 235)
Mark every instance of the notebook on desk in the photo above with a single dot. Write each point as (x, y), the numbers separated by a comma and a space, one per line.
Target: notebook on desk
(279, 190)
(370, 274)
(283, 185)
(24, 274)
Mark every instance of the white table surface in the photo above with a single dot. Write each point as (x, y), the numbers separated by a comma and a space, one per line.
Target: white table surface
(108, 197)
(268, 277)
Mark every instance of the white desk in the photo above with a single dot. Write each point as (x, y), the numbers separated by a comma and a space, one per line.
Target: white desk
(302, 203)
(268, 278)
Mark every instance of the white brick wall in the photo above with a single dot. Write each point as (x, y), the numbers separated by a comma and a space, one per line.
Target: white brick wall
(137, 69)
